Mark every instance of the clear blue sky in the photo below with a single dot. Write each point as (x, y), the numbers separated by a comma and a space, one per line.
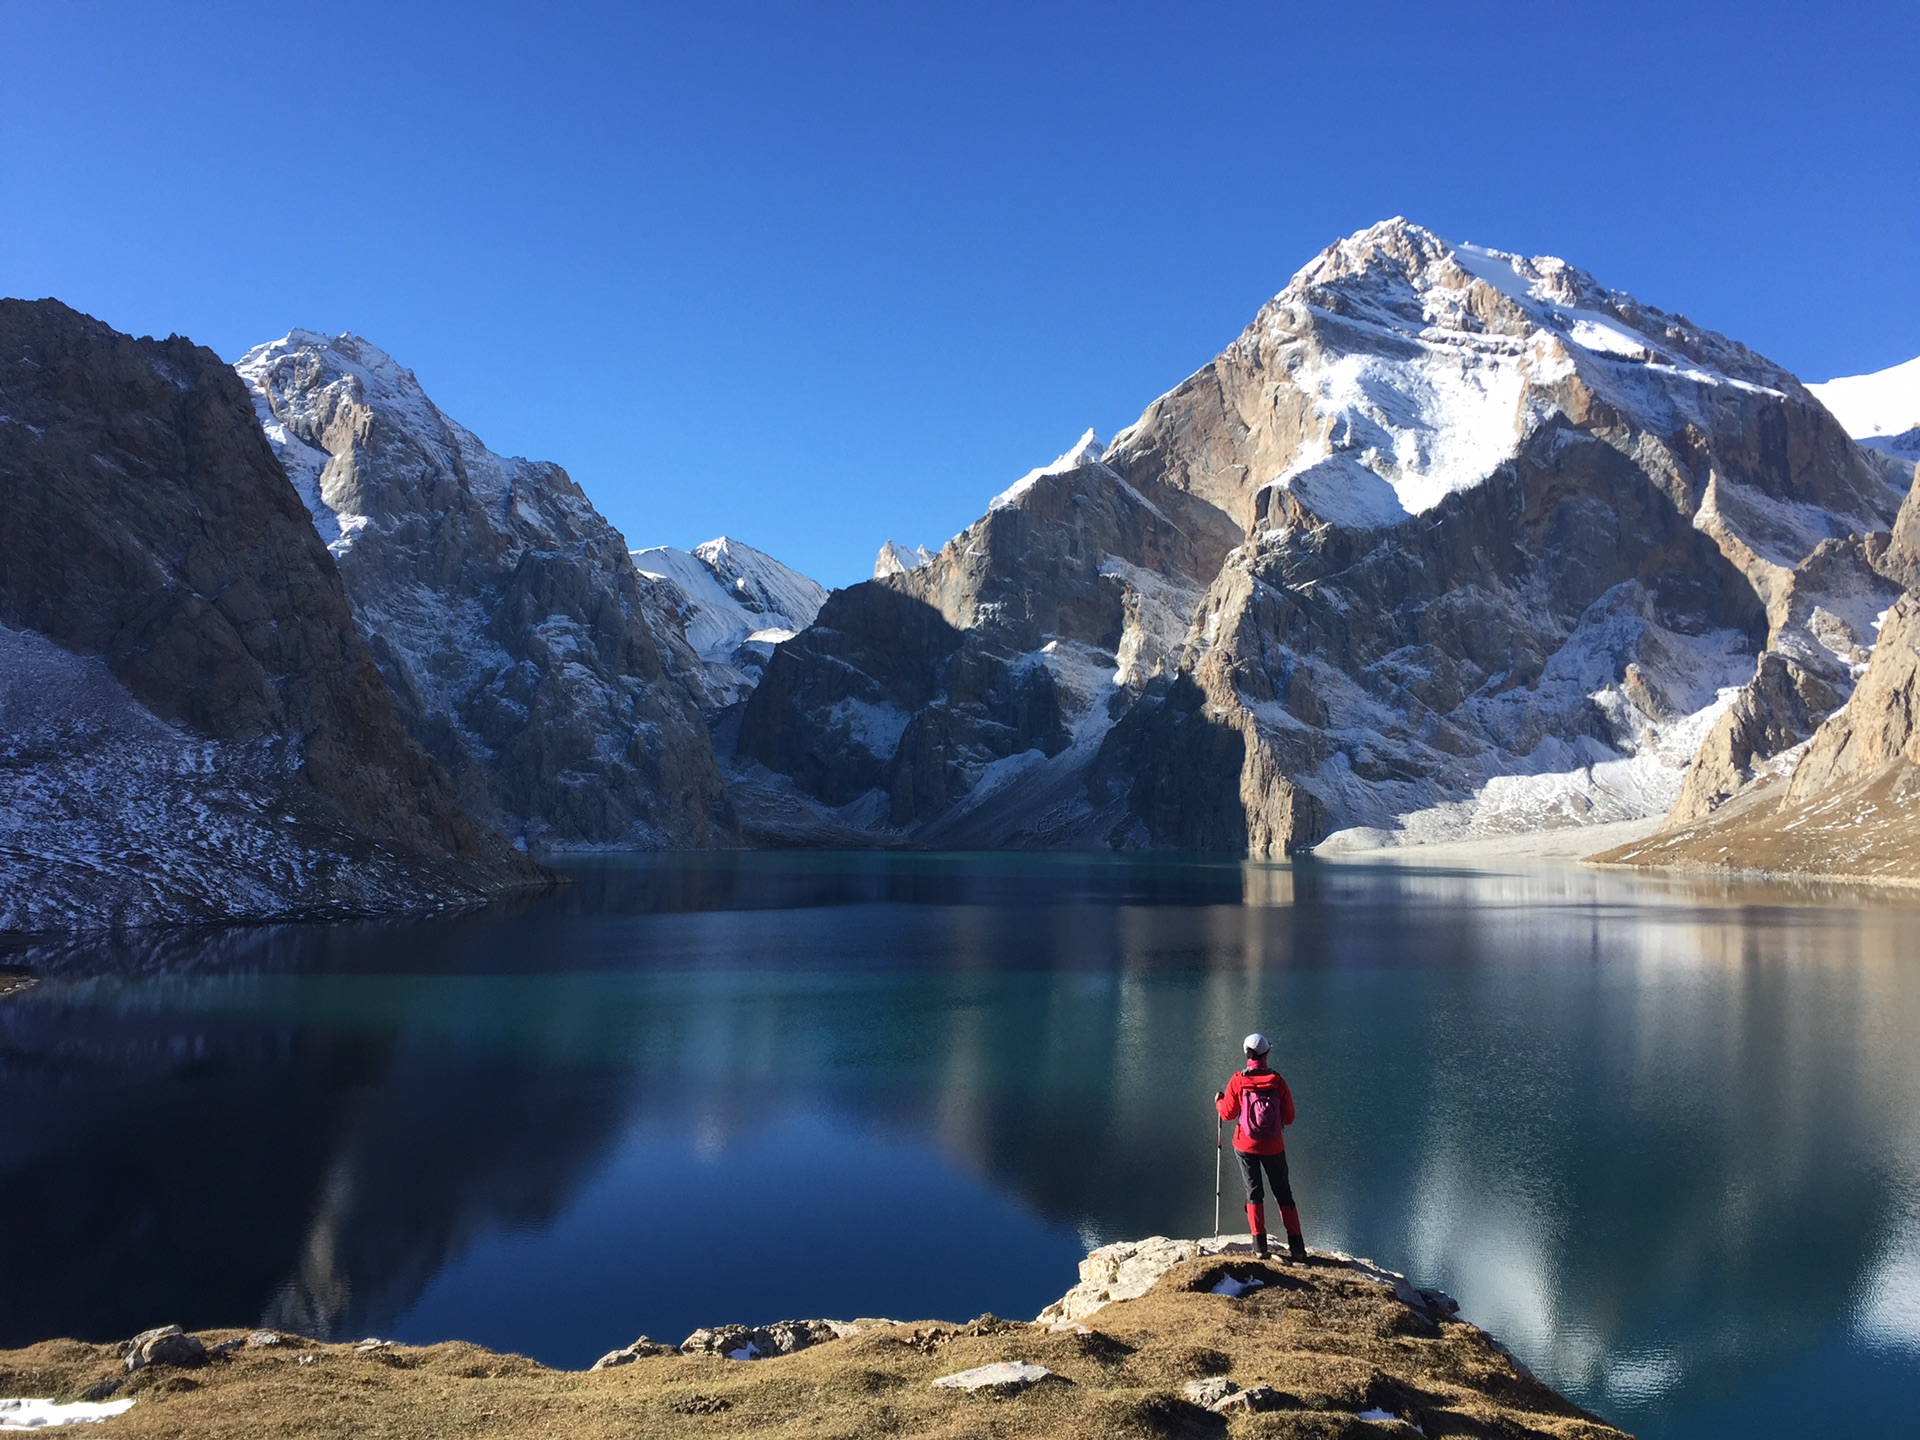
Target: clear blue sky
(816, 275)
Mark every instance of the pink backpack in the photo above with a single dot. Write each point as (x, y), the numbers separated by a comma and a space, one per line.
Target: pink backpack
(1259, 1115)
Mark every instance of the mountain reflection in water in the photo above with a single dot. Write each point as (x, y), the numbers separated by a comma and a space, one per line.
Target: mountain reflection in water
(1663, 1138)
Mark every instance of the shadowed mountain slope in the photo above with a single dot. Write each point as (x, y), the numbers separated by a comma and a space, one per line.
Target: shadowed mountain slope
(193, 730)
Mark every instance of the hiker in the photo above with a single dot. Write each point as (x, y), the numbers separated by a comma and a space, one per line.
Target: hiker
(1261, 1105)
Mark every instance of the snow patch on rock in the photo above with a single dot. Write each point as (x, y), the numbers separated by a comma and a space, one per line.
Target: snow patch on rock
(111, 816)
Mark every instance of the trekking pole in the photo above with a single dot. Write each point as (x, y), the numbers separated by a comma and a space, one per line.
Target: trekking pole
(1219, 1150)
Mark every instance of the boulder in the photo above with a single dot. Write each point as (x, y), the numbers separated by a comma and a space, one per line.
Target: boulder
(1210, 1392)
(758, 1342)
(645, 1348)
(1127, 1269)
(1254, 1397)
(169, 1345)
(1001, 1379)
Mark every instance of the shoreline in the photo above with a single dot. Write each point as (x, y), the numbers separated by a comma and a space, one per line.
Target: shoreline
(1585, 847)
(1567, 842)
(1159, 1337)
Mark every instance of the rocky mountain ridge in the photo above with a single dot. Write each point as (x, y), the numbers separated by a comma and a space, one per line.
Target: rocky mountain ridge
(528, 655)
(193, 729)
(1448, 542)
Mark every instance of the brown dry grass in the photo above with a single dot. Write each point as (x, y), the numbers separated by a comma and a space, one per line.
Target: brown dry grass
(1864, 834)
(1334, 1342)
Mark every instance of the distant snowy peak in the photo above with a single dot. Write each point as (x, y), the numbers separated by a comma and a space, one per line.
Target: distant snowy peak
(1087, 450)
(896, 559)
(776, 593)
(734, 595)
(1880, 410)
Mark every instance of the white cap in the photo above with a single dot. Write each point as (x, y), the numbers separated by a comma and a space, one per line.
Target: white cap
(1255, 1044)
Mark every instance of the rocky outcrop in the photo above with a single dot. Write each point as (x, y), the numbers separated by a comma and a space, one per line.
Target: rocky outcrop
(168, 1345)
(1447, 543)
(1002, 1380)
(736, 603)
(193, 729)
(527, 654)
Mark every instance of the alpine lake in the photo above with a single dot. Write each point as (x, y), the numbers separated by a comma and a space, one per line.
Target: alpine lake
(1660, 1136)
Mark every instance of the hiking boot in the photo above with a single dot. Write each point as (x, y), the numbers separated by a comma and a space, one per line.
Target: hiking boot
(1297, 1249)
(1260, 1246)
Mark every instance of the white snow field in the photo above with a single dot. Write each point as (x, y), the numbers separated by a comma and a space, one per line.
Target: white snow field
(1881, 410)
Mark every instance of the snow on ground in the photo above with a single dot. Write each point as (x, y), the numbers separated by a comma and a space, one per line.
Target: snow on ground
(48, 1414)
(1341, 491)
(875, 728)
(110, 816)
(1881, 410)
(1428, 424)
(1571, 843)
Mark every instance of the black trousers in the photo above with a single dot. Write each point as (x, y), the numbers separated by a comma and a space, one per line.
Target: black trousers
(1276, 1168)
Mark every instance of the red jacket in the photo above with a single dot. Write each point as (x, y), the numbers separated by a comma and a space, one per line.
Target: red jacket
(1260, 1078)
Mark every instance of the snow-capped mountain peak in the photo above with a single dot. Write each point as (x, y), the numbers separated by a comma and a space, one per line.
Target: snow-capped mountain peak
(1416, 366)
(306, 383)
(896, 559)
(1087, 450)
(1881, 410)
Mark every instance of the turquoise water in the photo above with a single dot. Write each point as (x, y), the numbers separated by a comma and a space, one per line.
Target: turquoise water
(1662, 1138)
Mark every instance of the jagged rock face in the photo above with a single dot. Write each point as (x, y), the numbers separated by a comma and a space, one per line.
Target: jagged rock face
(963, 699)
(1876, 731)
(526, 652)
(736, 604)
(194, 729)
(1844, 805)
(1447, 542)
(1826, 609)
